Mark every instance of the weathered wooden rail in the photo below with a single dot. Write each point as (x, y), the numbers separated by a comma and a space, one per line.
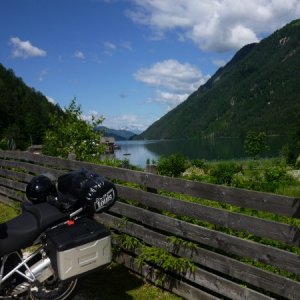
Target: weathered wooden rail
(225, 263)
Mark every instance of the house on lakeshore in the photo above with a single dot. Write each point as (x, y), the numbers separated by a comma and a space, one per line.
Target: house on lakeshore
(35, 149)
(110, 144)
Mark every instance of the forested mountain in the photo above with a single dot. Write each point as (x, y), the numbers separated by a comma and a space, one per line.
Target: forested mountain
(24, 112)
(259, 89)
(118, 134)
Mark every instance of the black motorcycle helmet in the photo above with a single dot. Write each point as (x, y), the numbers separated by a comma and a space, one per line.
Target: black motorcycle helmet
(39, 188)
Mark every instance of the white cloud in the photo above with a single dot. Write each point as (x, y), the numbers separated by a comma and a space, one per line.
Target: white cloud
(109, 48)
(215, 25)
(42, 75)
(171, 99)
(78, 54)
(128, 122)
(174, 81)
(51, 100)
(219, 62)
(127, 45)
(171, 74)
(24, 49)
(93, 114)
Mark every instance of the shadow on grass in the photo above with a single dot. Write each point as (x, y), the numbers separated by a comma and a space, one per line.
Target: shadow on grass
(109, 284)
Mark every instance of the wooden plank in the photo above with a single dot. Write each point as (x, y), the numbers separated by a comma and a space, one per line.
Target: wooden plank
(55, 162)
(30, 157)
(223, 286)
(180, 288)
(12, 194)
(24, 177)
(268, 281)
(283, 205)
(224, 242)
(8, 201)
(12, 184)
(27, 160)
(13, 165)
(258, 227)
(31, 168)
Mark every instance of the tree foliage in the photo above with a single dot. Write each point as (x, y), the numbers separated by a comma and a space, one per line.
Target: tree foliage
(291, 151)
(223, 173)
(69, 133)
(255, 143)
(172, 165)
(24, 112)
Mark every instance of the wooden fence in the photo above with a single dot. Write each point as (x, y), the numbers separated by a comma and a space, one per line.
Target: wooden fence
(237, 253)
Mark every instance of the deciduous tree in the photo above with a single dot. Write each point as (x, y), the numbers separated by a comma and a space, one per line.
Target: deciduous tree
(70, 133)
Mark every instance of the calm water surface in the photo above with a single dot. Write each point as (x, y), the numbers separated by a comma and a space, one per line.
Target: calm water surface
(137, 152)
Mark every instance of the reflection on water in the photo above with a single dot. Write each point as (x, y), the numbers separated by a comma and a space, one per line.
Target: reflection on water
(137, 152)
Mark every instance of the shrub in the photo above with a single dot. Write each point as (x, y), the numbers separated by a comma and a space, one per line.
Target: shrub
(4, 144)
(199, 163)
(194, 173)
(255, 181)
(267, 180)
(275, 174)
(172, 165)
(223, 173)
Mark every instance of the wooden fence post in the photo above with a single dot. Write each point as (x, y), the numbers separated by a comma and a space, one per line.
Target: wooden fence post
(151, 169)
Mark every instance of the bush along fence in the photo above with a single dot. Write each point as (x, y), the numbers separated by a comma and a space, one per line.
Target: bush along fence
(198, 240)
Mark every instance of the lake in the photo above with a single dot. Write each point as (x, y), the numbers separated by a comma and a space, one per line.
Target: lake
(137, 152)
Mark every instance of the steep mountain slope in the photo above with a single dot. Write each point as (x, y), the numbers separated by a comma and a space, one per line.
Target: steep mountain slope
(24, 112)
(259, 89)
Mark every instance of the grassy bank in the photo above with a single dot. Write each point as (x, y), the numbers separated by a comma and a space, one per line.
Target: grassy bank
(265, 175)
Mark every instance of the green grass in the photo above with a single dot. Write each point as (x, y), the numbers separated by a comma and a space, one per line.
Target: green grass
(7, 212)
(265, 175)
(292, 190)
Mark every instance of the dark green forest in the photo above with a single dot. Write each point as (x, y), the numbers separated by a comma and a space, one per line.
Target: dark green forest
(24, 112)
(258, 90)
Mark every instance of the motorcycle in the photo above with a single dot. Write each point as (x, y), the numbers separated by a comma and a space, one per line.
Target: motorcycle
(56, 223)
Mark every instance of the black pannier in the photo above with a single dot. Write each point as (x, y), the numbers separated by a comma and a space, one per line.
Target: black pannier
(82, 188)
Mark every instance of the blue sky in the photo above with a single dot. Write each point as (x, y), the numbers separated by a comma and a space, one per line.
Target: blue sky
(130, 61)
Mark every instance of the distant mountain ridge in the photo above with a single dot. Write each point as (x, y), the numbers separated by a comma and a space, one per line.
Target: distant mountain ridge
(118, 134)
(259, 89)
